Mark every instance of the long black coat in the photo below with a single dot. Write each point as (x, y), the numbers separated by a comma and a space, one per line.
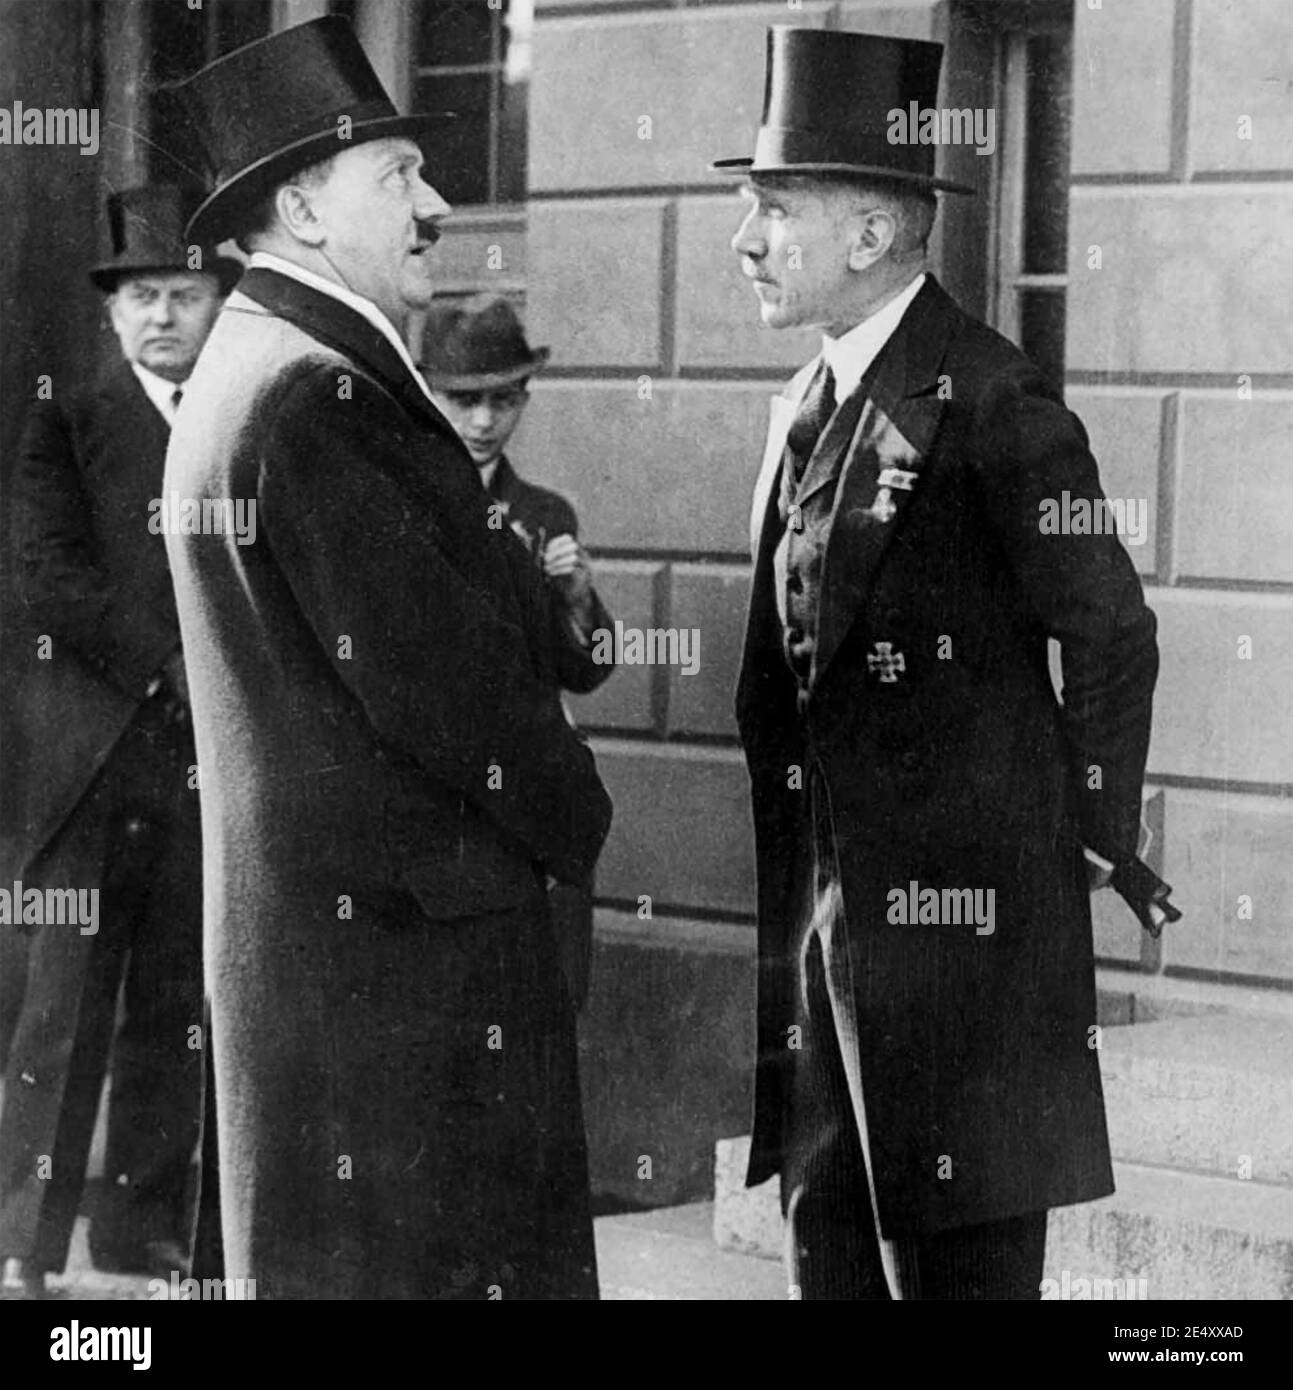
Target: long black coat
(96, 583)
(386, 774)
(979, 1066)
(86, 754)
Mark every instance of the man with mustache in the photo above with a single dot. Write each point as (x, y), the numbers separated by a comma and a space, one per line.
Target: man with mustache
(96, 787)
(388, 780)
(927, 1082)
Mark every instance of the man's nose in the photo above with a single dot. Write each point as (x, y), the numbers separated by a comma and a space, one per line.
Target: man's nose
(161, 310)
(482, 416)
(749, 239)
(427, 202)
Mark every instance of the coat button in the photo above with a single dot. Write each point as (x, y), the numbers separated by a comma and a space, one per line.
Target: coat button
(893, 616)
(909, 761)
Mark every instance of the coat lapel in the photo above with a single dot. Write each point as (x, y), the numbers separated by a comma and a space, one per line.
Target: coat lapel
(341, 327)
(885, 463)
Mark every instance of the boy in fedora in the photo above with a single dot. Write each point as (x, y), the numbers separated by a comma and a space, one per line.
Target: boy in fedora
(97, 792)
(478, 365)
(929, 816)
(388, 780)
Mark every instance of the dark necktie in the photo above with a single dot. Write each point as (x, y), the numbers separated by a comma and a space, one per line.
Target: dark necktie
(815, 410)
(176, 397)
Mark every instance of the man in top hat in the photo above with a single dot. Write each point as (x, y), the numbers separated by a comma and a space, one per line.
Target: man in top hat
(388, 780)
(929, 816)
(478, 364)
(97, 793)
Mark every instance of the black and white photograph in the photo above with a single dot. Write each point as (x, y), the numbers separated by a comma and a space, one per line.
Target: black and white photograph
(646, 657)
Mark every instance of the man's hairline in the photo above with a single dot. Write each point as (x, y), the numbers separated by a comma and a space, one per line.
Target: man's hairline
(821, 183)
(126, 279)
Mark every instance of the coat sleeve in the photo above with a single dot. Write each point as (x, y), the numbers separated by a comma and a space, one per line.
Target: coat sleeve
(1083, 591)
(574, 647)
(64, 588)
(439, 664)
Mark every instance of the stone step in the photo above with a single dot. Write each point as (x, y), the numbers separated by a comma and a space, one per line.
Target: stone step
(1208, 1094)
(1186, 1235)
(669, 1253)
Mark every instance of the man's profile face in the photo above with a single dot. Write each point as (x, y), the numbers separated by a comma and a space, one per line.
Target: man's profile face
(380, 221)
(162, 320)
(486, 420)
(794, 246)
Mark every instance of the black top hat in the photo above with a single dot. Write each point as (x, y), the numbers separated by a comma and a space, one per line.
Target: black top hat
(266, 111)
(146, 234)
(827, 101)
(477, 344)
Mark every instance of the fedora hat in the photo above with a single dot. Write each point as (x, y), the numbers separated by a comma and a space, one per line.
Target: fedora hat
(146, 234)
(477, 344)
(264, 112)
(827, 103)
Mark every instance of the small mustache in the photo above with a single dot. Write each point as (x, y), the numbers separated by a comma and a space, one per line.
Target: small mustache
(428, 230)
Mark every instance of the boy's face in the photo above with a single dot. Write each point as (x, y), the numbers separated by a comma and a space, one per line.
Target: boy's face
(486, 420)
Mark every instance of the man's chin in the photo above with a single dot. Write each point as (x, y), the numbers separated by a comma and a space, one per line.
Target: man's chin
(169, 365)
(419, 286)
(778, 316)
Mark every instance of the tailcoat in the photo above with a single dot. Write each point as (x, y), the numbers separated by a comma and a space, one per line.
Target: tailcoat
(929, 723)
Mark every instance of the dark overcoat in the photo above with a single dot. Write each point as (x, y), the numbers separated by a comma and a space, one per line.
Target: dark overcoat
(94, 793)
(961, 769)
(95, 582)
(386, 776)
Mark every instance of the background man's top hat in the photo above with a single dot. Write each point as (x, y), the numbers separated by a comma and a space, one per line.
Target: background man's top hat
(266, 111)
(146, 235)
(826, 107)
(476, 345)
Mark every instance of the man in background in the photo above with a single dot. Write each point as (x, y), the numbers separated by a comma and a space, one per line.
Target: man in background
(478, 364)
(97, 787)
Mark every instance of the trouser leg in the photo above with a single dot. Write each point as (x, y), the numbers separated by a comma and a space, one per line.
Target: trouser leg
(154, 1105)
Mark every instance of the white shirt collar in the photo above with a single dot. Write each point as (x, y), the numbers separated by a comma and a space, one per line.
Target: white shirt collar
(357, 302)
(159, 390)
(849, 355)
(487, 474)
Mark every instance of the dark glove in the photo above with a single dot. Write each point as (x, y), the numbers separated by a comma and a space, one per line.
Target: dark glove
(1141, 888)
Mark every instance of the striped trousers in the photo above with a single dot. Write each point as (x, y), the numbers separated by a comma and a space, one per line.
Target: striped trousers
(834, 1246)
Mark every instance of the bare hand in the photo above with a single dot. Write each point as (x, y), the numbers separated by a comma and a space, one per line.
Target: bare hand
(565, 562)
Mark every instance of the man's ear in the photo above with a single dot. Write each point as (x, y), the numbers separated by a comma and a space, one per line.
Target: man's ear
(296, 212)
(872, 238)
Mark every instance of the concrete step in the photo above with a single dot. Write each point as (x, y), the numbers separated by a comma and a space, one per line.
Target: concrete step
(669, 1253)
(1186, 1235)
(1208, 1094)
